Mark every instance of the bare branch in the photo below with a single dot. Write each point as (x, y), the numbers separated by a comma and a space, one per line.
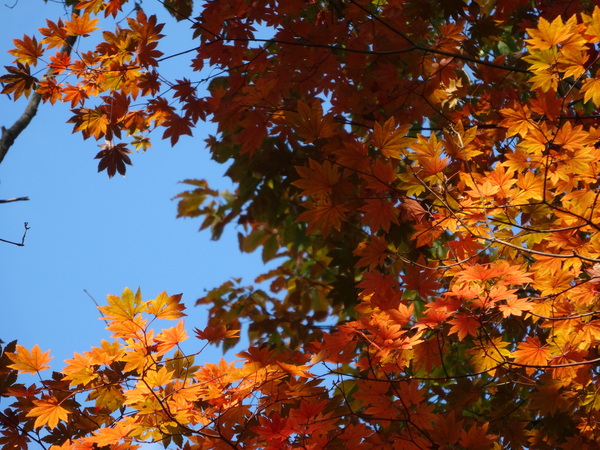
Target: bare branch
(22, 243)
(9, 135)
(16, 199)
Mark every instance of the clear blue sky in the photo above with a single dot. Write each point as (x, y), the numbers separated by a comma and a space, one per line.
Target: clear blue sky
(89, 232)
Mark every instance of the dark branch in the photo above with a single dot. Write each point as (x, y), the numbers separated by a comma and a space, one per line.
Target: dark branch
(22, 243)
(16, 199)
(9, 135)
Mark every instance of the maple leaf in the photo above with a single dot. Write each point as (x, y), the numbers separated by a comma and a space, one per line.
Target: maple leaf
(91, 122)
(74, 94)
(391, 141)
(109, 435)
(176, 126)
(572, 138)
(477, 438)
(517, 121)
(309, 122)
(548, 397)
(170, 338)
(423, 280)
(532, 352)
(80, 25)
(50, 91)
(295, 370)
(591, 89)
(165, 307)
(489, 355)
(55, 35)
(18, 81)
(48, 411)
(372, 253)
(379, 213)
(215, 335)
(551, 34)
(464, 325)
(113, 158)
(29, 362)
(317, 179)
(273, 428)
(147, 55)
(27, 50)
(79, 370)
(514, 306)
(125, 307)
(13, 438)
(323, 216)
(180, 9)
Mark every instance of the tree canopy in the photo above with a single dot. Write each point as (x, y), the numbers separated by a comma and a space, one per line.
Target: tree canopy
(425, 174)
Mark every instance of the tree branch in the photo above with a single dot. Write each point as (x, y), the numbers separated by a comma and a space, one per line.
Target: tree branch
(22, 243)
(16, 199)
(9, 135)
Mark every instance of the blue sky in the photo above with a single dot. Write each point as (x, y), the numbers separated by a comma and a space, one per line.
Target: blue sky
(94, 233)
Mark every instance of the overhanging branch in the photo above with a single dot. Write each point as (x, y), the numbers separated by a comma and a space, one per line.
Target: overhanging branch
(9, 135)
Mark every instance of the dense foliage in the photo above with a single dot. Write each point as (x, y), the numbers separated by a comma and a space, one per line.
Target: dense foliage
(426, 176)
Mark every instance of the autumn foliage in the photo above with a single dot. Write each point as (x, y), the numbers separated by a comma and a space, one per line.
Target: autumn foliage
(424, 173)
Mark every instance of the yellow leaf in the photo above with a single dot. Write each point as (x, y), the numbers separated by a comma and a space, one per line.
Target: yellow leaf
(593, 23)
(165, 307)
(591, 87)
(154, 378)
(26, 362)
(48, 412)
(124, 308)
(551, 34)
(489, 355)
(80, 369)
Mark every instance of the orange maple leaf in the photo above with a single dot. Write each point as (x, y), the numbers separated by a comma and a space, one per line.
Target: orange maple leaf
(532, 352)
(48, 411)
(27, 50)
(81, 25)
(518, 121)
(29, 362)
(391, 141)
(171, 337)
(550, 34)
(110, 435)
(464, 325)
(514, 306)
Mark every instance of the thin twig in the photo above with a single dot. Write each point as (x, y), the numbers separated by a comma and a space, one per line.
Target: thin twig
(95, 303)
(22, 243)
